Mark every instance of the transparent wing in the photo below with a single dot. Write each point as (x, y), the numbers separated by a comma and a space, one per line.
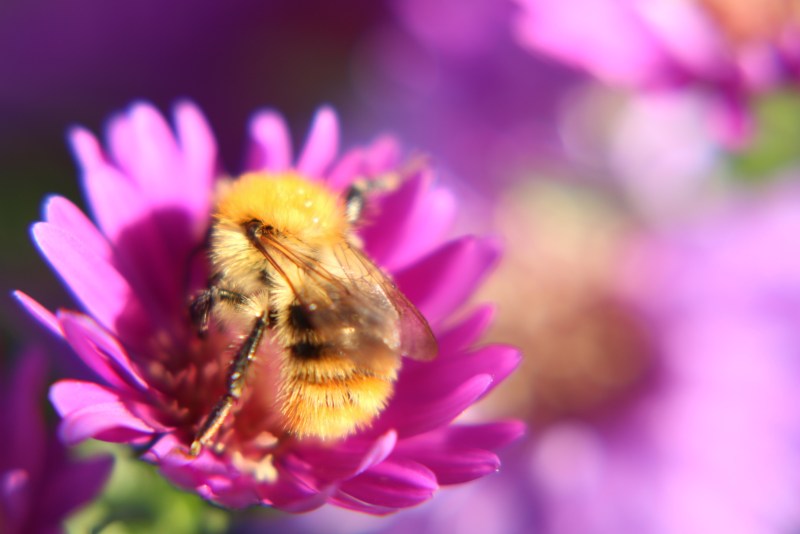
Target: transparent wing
(348, 300)
(416, 340)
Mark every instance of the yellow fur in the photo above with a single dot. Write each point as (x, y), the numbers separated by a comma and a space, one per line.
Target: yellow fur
(305, 210)
(334, 409)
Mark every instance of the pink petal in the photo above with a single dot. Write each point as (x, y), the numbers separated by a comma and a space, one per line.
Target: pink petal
(70, 395)
(497, 361)
(39, 312)
(347, 459)
(62, 213)
(151, 244)
(691, 36)
(391, 484)
(453, 467)
(410, 223)
(270, 143)
(462, 335)
(169, 451)
(348, 168)
(608, 39)
(88, 153)
(413, 412)
(153, 239)
(199, 151)
(442, 281)
(485, 436)
(294, 494)
(208, 473)
(115, 202)
(457, 454)
(92, 411)
(321, 146)
(421, 383)
(380, 450)
(102, 290)
(380, 157)
(229, 491)
(215, 478)
(144, 146)
(101, 352)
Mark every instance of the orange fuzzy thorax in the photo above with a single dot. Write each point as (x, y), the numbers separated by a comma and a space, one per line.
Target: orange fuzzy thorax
(289, 203)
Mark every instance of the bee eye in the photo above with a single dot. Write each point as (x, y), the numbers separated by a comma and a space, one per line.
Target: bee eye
(254, 227)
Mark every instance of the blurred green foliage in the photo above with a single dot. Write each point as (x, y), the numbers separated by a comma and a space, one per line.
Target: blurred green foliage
(775, 145)
(137, 500)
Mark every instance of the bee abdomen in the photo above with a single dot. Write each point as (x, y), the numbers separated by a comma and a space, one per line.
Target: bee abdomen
(298, 318)
(305, 350)
(316, 403)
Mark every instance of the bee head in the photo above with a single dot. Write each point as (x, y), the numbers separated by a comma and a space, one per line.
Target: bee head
(282, 206)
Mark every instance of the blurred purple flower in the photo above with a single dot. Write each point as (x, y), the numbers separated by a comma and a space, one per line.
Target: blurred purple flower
(448, 75)
(711, 445)
(150, 194)
(40, 485)
(734, 48)
(613, 143)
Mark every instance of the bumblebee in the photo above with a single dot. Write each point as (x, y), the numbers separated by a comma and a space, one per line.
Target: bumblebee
(285, 258)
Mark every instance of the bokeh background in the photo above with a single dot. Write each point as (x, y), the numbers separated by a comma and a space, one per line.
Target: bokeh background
(638, 159)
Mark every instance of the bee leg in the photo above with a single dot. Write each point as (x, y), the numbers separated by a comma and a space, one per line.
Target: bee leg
(359, 190)
(354, 200)
(201, 306)
(237, 372)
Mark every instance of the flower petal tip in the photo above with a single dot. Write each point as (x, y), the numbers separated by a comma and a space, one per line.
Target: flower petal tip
(39, 312)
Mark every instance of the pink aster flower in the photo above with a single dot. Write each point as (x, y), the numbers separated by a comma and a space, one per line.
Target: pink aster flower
(134, 268)
(733, 48)
(40, 484)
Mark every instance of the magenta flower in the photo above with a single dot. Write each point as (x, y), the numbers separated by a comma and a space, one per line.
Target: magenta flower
(734, 48)
(133, 272)
(40, 485)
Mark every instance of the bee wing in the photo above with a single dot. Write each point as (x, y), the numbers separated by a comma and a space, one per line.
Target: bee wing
(415, 338)
(348, 300)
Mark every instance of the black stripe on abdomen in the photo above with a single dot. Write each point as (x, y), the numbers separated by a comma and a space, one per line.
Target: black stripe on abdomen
(307, 351)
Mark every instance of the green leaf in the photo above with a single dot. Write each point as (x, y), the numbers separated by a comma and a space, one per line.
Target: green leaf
(137, 500)
(776, 142)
